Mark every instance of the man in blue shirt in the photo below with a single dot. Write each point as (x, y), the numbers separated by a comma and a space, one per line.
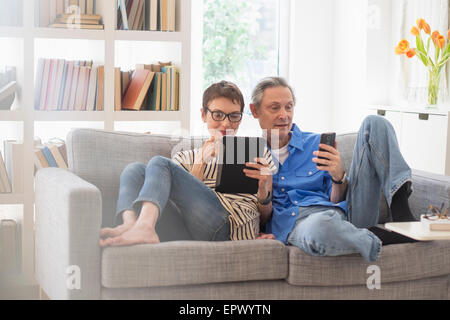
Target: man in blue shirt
(322, 209)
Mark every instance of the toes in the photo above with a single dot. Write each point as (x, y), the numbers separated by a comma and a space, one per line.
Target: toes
(119, 241)
(102, 243)
(105, 232)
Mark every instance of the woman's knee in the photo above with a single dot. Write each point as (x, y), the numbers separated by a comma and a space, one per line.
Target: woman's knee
(133, 169)
(158, 161)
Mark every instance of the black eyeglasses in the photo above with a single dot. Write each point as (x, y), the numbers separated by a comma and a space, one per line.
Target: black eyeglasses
(220, 116)
(434, 213)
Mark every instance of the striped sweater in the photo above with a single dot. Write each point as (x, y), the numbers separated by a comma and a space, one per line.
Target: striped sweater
(242, 207)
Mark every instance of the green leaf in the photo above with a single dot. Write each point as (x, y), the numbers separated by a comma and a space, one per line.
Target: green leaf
(422, 56)
(419, 43)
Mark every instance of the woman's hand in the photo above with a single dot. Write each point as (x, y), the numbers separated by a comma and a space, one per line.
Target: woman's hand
(262, 235)
(262, 174)
(204, 155)
(208, 151)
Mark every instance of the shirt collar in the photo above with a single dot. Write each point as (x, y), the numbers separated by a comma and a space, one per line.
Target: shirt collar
(296, 138)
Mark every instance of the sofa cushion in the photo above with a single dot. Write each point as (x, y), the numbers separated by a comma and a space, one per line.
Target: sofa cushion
(193, 262)
(399, 262)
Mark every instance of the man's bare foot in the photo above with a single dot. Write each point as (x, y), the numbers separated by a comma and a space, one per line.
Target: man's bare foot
(138, 234)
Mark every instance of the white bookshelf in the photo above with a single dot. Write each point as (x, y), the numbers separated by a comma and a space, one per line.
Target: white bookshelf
(30, 36)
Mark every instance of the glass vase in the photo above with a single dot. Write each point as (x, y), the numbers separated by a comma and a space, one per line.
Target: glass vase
(433, 87)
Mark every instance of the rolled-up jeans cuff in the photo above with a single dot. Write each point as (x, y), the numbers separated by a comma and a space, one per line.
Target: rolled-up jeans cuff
(375, 252)
(137, 202)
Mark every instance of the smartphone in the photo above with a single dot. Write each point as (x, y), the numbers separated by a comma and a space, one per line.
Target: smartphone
(326, 138)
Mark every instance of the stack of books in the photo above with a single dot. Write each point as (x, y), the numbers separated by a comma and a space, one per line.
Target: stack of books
(11, 13)
(149, 87)
(12, 164)
(153, 15)
(83, 21)
(50, 154)
(68, 85)
(68, 14)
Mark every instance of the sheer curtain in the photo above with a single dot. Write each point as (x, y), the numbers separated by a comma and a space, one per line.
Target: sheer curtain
(411, 78)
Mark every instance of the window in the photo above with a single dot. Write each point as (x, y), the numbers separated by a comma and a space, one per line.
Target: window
(240, 44)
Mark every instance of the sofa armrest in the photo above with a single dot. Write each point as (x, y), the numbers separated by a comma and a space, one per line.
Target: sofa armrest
(428, 188)
(68, 213)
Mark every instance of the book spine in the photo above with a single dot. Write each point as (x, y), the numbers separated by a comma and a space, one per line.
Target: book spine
(49, 157)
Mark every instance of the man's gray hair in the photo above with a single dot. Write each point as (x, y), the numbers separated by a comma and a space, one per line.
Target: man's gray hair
(266, 83)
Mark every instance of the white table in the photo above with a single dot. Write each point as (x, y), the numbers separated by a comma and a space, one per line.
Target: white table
(417, 231)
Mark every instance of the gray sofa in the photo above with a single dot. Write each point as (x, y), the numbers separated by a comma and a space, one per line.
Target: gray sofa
(72, 205)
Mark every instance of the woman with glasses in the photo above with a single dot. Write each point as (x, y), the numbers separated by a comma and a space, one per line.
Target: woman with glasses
(187, 183)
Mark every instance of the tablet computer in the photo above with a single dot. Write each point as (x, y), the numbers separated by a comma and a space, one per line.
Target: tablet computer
(234, 152)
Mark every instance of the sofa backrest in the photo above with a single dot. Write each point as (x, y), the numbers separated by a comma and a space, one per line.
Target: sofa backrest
(99, 157)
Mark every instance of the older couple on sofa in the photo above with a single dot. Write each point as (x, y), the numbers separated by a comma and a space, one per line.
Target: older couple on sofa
(304, 198)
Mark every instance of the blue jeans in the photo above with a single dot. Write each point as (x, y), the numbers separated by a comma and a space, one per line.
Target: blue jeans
(377, 166)
(171, 188)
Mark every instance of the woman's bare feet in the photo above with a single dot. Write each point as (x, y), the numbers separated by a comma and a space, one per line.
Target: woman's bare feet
(129, 219)
(140, 233)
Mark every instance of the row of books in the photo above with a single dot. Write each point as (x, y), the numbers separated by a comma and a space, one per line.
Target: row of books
(51, 154)
(68, 14)
(11, 167)
(69, 85)
(153, 15)
(11, 13)
(149, 87)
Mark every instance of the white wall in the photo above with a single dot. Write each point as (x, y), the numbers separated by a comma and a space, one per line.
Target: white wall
(328, 64)
(349, 102)
(311, 63)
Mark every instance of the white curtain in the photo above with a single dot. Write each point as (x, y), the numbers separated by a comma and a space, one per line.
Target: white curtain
(412, 76)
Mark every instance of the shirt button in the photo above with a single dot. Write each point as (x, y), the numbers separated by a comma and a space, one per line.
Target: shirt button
(310, 173)
(293, 213)
(296, 202)
(282, 189)
(282, 178)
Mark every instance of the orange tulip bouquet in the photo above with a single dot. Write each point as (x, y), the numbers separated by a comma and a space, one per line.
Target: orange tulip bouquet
(436, 62)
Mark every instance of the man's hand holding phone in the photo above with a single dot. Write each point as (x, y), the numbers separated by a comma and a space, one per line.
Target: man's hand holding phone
(328, 157)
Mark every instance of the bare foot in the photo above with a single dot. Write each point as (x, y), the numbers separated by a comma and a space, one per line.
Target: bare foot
(117, 231)
(138, 234)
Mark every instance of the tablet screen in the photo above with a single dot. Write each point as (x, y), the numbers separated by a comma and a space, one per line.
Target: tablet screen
(234, 152)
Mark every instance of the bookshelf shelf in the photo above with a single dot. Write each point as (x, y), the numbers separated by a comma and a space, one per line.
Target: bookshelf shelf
(147, 116)
(11, 198)
(132, 35)
(59, 33)
(69, 116)
(6, 115)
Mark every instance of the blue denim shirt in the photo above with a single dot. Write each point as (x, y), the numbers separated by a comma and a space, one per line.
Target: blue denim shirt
(298, 183)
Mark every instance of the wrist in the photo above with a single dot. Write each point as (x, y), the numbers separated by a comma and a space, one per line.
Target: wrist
(266, 199)
(341, 180)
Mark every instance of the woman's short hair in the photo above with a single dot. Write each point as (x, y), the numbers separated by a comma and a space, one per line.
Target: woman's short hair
(223, 89)
(266, 83)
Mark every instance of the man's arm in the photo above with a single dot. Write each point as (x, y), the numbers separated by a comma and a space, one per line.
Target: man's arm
(333, 164)
(266, 212)
(338, 191)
